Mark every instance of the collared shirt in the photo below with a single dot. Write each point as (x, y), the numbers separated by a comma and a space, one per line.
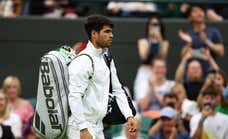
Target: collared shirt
(88, 98)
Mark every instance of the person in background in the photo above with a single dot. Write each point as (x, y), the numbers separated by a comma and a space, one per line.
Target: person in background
(217, 78)
(171, 100)
(153, 45)
(159, 86)
(190, 72)
(166, 126)
(186, 107)
(10, 8)
(9, 118)
(12, 88)
(131, 9)
(208, 123)
(201, 36)
(210, 12)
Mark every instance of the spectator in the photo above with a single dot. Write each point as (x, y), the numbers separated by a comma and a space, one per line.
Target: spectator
(171, 100)
(209, 123)
(9, 118)
(190, 72)
(201, 36)
(217, 78)
(159, 86)
(166, 128)
(12, 88)
(210, 12)
(186, 107)
(78, 47)
(128, 9)
(59, 8)
(153, 45)
(10, 8)
(180, 92)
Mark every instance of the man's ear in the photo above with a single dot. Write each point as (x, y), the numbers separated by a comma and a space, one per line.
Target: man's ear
(93, 33)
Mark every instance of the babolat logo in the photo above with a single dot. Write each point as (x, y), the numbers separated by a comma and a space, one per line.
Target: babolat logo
(48, 93)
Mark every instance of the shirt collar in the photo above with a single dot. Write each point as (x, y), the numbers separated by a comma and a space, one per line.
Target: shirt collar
(98, 51)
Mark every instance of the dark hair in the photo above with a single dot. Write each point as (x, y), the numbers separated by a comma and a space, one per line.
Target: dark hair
(162, 27)
(189, 10)
(211, 90)
(96, 23)
(191, 60)
(220, 72)
(170, 95)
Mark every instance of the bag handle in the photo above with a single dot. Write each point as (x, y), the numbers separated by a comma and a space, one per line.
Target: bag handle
(108, 59)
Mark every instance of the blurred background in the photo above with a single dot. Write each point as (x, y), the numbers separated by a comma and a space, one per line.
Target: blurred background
(31, 28)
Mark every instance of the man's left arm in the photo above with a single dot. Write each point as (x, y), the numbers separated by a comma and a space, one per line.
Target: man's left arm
(216, 44)
(119, 93)
(121, 99)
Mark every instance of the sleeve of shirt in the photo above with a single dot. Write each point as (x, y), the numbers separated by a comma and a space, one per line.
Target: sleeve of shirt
(79, 71)
(194, 124)
(17, 126)
(217, 37)
(119, 93)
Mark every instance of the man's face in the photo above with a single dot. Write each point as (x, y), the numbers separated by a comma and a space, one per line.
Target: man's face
(168, 101)
(12, 90)
(168, 124)
(159, 69)
(197, 15)
(104, 37)
(194, 71)
(209, 100)
(219, 79)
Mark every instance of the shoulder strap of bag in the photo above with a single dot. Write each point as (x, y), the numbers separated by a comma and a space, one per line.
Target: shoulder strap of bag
(108, 59)
(91, 59)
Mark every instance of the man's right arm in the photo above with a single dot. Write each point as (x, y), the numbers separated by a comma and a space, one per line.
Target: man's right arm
(79, 71)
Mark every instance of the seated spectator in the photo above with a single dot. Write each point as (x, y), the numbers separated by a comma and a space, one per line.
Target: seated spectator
(210, 12)
(131, 9)
(186, 107)
(159, 86)
(180, 92)
(209, 123)
(201, 36)
(59, 8)
(166, 128)
(9, 118)
(217, 78)
(153, 45)
(10, 8)
(171, 100)
(190, 72)
(12, 88)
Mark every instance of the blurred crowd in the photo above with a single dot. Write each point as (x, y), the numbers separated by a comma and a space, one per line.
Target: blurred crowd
(192, 105)
(214, 11)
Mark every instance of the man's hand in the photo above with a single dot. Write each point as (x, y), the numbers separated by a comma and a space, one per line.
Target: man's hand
(203, 36)
(173, 133)
(206, 54)
(206, 111)
(84, 134)
(185, 36)
(131, 125)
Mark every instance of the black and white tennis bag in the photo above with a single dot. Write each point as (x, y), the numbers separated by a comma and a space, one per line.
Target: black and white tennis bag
(51, 112)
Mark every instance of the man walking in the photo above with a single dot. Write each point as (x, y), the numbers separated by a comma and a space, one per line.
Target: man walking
(89, 84)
